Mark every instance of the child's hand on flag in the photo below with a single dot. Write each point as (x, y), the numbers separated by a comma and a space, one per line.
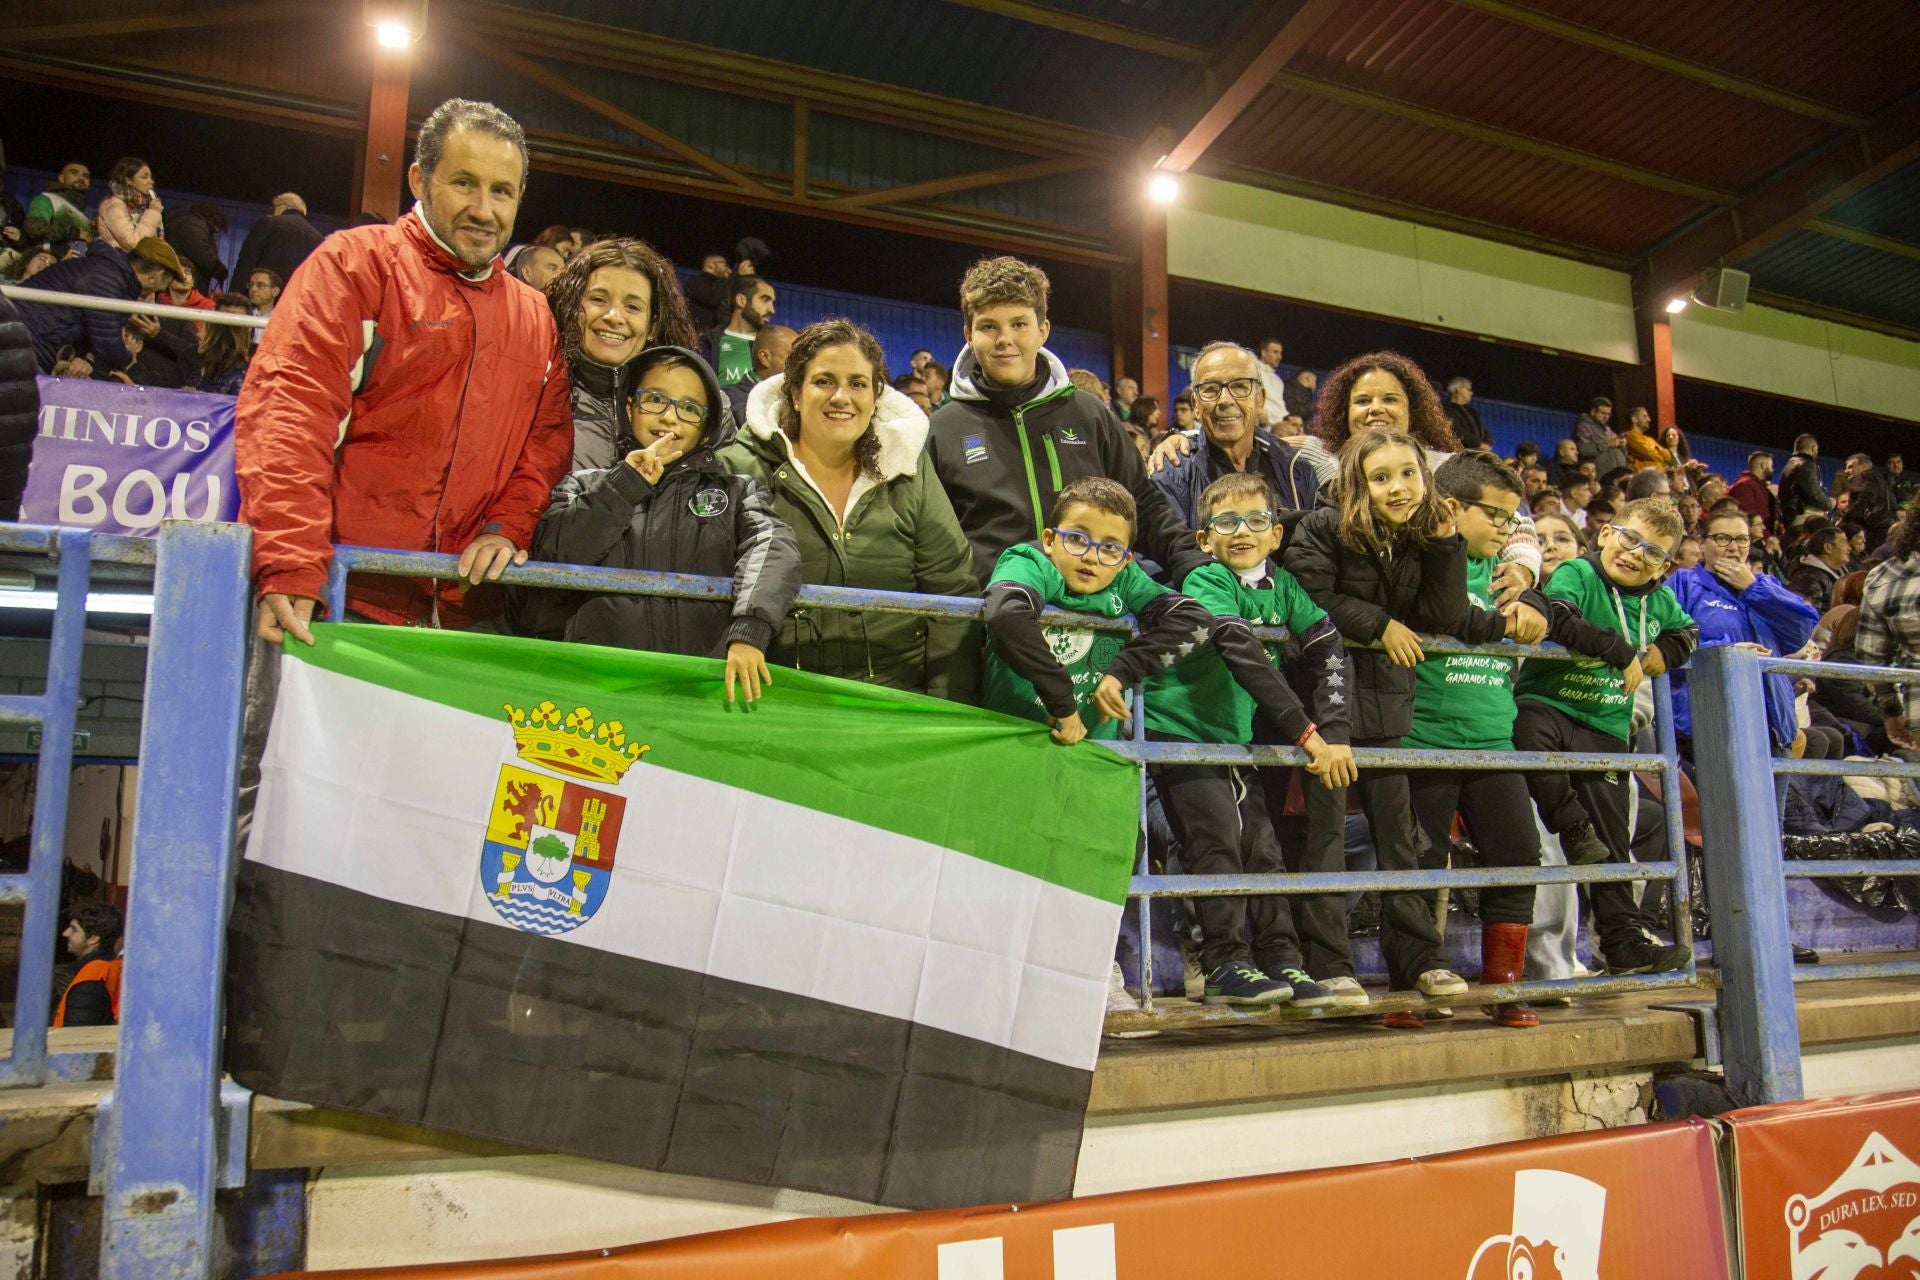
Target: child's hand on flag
(1068, 729)
(747, 666)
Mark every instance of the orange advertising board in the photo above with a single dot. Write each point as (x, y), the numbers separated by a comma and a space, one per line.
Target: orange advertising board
(1628, 1204)
(1829, 1190)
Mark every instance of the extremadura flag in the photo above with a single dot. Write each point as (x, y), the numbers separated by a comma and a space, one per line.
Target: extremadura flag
(853, 940)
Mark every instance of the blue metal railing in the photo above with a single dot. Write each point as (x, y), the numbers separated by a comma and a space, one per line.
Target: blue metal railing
(172, 1136)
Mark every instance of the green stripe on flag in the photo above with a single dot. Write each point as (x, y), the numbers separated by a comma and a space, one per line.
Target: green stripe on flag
(991, 786)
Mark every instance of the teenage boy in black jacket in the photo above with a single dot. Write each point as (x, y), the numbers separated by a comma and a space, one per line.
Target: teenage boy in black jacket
(1016, 432)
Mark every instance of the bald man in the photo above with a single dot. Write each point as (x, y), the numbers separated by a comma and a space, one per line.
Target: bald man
(770, 347)
(278, 242)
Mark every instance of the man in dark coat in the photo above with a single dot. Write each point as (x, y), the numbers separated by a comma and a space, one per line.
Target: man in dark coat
(104, 273)
(1466, 418)
(1801, 490)
(279, 242)
(194, 234)
(19, 407)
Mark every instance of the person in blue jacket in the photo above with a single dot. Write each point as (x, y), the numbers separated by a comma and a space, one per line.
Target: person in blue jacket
(1734, 605)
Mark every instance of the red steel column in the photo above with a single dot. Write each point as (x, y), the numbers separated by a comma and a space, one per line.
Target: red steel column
(1648, 384)
(1155, 352)
(382, 179)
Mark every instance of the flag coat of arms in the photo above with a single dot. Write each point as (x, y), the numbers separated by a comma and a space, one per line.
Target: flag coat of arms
(853, 940)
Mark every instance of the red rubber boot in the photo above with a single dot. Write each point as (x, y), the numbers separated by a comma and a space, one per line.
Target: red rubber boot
(1503, 957)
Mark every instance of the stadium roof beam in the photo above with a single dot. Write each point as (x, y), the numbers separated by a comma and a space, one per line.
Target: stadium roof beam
(1673, 64)
(557, 84)
(1793, 197)
(1255, 70)
(1869, 239)
(1494, 135)
(194, 19)
(1114, 33)
(964, 182)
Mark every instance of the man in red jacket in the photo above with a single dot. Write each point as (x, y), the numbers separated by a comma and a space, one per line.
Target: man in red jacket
(408, 393)
(1752, 492)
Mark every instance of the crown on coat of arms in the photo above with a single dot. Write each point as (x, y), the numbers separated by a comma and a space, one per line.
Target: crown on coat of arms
(573, 742)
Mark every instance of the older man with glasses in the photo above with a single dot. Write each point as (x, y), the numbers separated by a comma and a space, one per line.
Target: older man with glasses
(1734, 605)
(1230, 403)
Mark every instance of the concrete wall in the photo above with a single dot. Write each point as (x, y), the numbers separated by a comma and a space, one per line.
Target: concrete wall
(113, 679)
(1268, 242)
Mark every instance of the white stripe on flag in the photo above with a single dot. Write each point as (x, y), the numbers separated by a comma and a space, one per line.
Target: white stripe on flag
(389, 794)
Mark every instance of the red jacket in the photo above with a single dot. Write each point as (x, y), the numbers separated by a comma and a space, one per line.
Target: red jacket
(1751, 492)
(395, 403)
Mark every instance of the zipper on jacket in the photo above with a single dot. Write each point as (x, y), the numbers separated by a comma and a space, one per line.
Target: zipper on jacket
(1033, 481)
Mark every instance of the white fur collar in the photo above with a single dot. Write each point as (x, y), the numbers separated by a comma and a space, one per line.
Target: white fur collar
(901, 425)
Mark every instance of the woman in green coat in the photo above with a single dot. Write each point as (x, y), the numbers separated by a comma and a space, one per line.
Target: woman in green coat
(844, 455)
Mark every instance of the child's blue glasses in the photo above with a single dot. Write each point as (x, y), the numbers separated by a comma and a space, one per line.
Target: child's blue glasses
(1079, 544)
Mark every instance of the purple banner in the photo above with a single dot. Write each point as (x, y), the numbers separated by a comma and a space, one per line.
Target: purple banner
(121, 459)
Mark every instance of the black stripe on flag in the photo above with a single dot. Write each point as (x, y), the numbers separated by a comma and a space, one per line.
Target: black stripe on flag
(345, 1000)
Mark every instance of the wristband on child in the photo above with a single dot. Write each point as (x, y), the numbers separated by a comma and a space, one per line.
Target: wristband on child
(1301, 741)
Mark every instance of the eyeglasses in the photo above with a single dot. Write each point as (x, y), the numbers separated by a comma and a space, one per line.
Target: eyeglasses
(1238, 388)
(1728, 541)
(1637, 545)
(1078, 544)
(1498, 517)
(691, 412)
(1230, 522)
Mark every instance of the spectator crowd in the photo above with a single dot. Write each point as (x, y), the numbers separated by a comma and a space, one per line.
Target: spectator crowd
(622, 420)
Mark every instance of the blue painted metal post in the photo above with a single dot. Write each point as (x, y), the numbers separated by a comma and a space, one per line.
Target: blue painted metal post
(161, 1145)
(1746, 893)
(27, 1063)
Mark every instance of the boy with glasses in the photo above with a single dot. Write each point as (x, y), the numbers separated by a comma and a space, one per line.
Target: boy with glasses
(1612, 604)
(1249, 949)
(669, 506)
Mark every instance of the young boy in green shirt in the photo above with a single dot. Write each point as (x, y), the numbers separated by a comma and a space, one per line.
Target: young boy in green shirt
(1613, 601)
(1219, 812)
(1465, 702)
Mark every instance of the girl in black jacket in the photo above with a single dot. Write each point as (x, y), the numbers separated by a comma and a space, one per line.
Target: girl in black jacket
(1384, 562)
(669, 506)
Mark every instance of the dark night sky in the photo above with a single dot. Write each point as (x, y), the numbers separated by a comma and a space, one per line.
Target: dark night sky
(242, 161)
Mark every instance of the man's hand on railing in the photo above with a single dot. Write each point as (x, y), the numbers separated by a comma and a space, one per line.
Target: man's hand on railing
(1331, 762)
(281, 615)
(487, 557)
(746, 666)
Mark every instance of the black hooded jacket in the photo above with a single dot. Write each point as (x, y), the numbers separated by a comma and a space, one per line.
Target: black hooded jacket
(699, 519)
(19, 408)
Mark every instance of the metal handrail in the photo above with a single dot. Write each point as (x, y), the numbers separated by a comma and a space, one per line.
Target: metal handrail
(165, 311)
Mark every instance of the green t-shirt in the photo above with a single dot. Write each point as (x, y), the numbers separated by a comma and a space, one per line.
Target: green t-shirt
(1588, 689)
(1464, 701)
(733, 357)
(1085, 655)
(1198, 698)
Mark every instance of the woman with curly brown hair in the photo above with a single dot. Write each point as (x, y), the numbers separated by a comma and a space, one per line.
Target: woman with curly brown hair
(612, 301)
(845, 456)
(1384, 390)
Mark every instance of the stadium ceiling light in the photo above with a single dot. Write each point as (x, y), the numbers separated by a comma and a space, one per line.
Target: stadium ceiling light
(1676, 305)
(1163, 188)
(393, 35)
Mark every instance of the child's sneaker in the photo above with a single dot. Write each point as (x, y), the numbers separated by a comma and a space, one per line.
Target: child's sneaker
(1440, 982)
(1307, 994)
(1583, 846)
(1120, 1000)
(1238, 982)
(1644, 955)
(1194, 977)
(1347, 992)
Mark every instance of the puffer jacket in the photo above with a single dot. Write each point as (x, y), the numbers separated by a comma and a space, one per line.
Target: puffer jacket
(1422, 588)
(700, 518)
(396, 402)
(599, 405)
(900, 535)
(19, 408)
(103, 273)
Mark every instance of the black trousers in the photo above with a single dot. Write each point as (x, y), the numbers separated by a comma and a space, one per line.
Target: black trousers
(1499, 816)
(1219, 815)
(1409, 940)
(1568, 799)
(1313, 843)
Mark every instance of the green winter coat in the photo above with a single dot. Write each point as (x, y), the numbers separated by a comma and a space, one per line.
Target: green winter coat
(900, 535)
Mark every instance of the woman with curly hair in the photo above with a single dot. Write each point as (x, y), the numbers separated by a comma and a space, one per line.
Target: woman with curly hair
(612, 301)
(845, 456)
(1384, 390)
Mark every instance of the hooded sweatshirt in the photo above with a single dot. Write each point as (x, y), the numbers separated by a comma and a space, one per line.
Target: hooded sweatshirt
(698, 518)
(1003, 455)
(899, 534)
